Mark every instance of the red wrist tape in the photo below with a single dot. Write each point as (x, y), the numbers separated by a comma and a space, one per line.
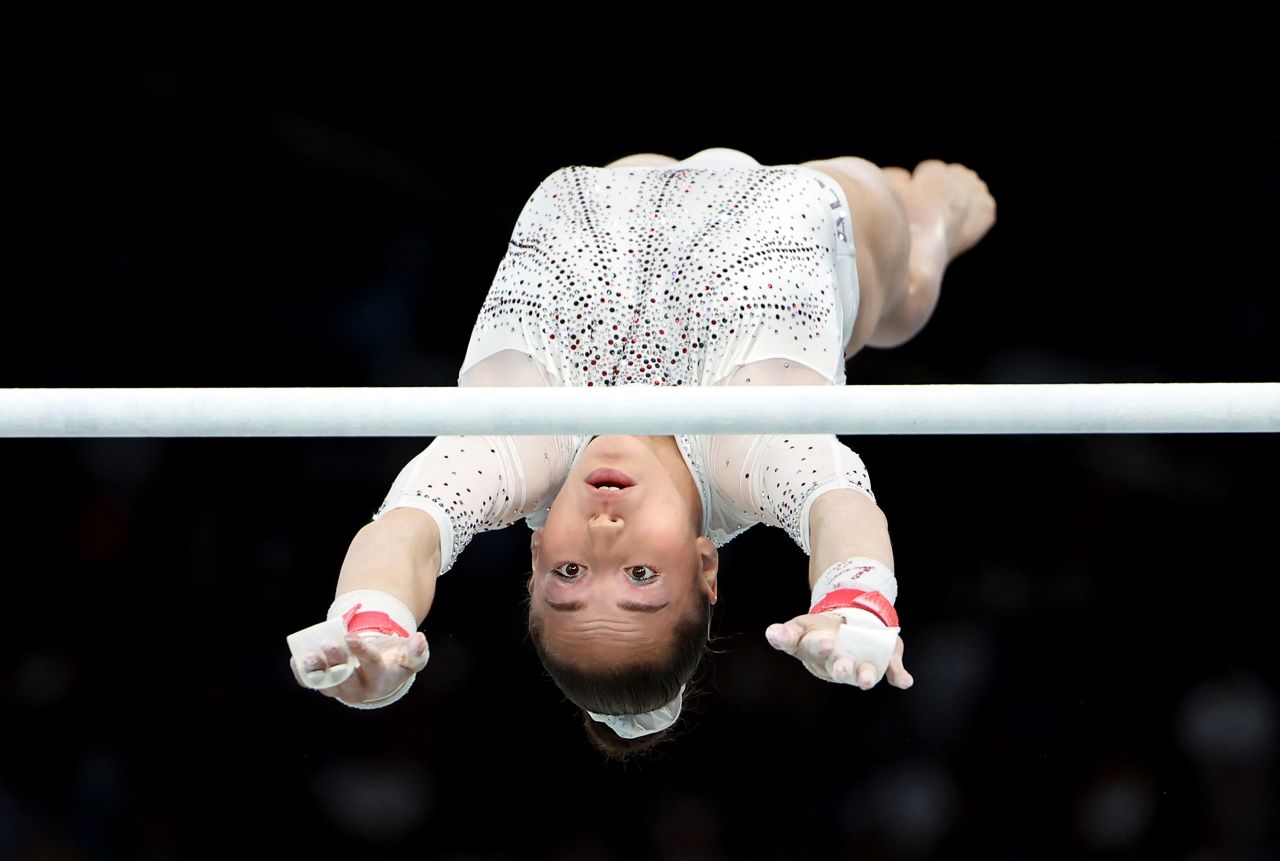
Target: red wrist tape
(872, 601)
(371, 621)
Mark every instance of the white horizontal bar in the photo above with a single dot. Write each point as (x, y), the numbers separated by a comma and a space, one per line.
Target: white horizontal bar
(638, 409)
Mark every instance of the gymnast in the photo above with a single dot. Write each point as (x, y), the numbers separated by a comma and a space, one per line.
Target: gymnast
(714, 270)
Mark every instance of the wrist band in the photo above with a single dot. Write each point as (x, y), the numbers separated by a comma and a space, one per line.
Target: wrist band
(861, 582)
(368, 620)
(373, 610)
(873, 602)
(858, 572)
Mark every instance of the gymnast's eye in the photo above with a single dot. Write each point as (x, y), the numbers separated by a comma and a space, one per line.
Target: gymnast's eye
(641, 569)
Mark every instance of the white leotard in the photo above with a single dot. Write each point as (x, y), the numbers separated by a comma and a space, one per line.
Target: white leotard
(713, 271)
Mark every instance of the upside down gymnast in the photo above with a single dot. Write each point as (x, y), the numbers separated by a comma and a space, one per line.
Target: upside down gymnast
(707, 271)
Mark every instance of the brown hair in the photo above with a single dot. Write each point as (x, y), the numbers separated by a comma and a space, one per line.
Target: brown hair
(633, 689)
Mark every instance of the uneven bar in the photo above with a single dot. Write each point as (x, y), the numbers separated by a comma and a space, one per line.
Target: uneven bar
(1053, 408)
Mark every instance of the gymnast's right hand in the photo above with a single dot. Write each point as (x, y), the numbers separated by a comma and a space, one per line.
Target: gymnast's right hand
(386, 663)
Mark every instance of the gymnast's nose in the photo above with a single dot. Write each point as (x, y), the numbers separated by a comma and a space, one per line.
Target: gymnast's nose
(605, 520)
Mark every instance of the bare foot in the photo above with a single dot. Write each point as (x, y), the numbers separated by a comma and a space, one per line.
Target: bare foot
(949, 209)
(953, 195)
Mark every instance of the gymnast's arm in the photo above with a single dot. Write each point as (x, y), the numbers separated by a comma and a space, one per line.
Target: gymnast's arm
(810, 485)
(399, 553)
(456, 487)
(846, 523)
(453, 489)
(855, 649)
(818, 490)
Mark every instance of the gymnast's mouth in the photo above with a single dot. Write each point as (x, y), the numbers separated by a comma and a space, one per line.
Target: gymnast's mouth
(610, 478)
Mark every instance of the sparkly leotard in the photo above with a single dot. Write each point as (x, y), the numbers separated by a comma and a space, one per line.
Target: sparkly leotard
(712, 271)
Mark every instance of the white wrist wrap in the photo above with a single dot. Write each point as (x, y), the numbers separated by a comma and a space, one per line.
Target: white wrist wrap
(858, 572)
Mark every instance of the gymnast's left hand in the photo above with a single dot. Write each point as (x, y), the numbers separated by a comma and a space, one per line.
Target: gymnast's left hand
(812, 639)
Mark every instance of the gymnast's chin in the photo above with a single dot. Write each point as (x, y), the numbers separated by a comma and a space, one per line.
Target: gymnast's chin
(621, 591)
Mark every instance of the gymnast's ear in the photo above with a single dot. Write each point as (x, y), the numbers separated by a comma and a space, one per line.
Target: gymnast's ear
(533, 550)
(709, 567)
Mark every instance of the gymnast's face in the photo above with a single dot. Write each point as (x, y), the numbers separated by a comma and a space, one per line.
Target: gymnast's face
(614, 570)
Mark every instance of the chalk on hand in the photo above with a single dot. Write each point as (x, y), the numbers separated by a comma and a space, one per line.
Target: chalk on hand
(313, 641)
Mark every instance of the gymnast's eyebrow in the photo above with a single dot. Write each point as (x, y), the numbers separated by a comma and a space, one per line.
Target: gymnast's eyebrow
(624, 605)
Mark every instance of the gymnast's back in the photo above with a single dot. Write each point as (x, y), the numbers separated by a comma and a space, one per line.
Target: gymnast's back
(657, 276)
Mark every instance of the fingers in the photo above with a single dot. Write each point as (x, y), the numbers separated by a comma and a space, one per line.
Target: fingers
(329, 655)
(410, 653)
(806, 645)
(866, 676)
(414, 656)
(381, 663)
(305, 667)
(817, 646)
(335, 655)
(897, 674)
(356, 688)
(783, 638)
(297, 676)
(814, 640)
(367, 654)
(848, 671)
(786, 637)
(842, 670)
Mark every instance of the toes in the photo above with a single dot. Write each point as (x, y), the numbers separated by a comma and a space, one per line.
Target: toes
(929, 164)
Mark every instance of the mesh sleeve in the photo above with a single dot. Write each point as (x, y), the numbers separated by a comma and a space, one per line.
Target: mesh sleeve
(471, 484)
(775, 479)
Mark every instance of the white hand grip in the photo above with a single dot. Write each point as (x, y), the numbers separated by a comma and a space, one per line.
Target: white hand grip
(864, 637)
(313, 640)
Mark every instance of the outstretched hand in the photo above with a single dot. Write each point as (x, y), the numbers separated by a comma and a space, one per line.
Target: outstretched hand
(386, 663)
(813, 640)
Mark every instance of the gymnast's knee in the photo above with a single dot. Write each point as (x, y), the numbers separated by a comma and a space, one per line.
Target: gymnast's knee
(642, 159)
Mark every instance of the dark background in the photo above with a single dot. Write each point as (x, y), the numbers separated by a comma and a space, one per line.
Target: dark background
(1084, 617)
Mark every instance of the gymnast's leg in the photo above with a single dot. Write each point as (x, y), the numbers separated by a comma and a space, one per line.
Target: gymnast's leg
(906, 228)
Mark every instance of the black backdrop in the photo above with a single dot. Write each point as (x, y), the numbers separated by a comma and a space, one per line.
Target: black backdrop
(1094, 665)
